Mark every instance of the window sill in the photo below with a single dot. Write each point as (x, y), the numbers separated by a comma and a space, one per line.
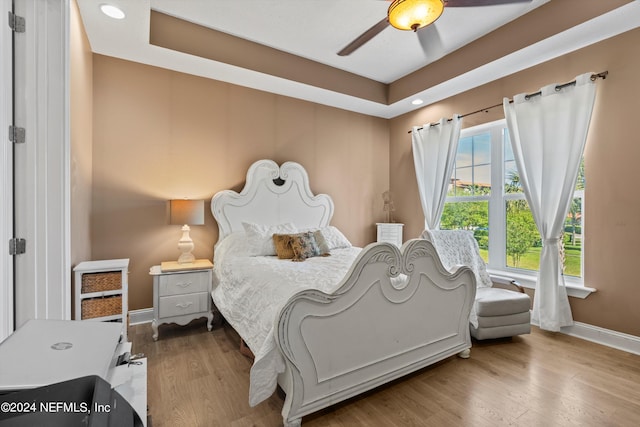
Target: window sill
(574, 286)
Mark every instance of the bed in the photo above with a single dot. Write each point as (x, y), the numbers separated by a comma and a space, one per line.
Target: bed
(329, 328)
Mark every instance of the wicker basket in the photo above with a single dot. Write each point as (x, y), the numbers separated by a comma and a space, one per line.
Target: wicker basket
(100, 282)
(100, 307)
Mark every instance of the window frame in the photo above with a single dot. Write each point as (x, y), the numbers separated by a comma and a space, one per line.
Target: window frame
(497, 199)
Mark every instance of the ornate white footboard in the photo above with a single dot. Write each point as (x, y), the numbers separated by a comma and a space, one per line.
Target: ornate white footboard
(396, 311)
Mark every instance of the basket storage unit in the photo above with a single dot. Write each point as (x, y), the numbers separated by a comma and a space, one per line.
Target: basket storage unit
(101, 289)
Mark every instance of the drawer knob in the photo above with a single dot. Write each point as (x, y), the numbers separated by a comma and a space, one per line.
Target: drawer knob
(184, 305)
(184, 284)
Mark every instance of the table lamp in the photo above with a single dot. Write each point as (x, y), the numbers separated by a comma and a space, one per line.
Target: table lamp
(185, 213)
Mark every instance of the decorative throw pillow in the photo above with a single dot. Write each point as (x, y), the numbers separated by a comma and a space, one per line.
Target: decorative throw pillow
(334, 238)
(304, 246)
(322, 243)
(282, 242)
(260, 236)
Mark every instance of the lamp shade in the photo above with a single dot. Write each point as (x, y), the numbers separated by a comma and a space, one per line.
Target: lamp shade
(187, 212)
(414, 14)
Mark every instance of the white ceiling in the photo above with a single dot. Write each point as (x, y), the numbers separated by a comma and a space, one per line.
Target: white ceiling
(317, 29)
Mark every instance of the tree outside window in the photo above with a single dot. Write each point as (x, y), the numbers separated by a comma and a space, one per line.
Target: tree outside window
(512, 233)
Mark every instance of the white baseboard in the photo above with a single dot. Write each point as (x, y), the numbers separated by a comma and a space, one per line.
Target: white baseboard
(618, 340)
(137, 317)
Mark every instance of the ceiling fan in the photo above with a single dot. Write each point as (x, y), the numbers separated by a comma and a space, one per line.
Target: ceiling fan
(414, 15)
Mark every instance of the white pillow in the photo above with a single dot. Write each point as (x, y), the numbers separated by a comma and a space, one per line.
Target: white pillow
(334, 238)
(234, 245)
(260, 236)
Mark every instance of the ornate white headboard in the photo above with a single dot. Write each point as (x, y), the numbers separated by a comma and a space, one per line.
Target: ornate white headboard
(272, 195)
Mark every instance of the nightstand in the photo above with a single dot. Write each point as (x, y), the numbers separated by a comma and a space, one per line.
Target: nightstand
(181, 293)
(390, 232)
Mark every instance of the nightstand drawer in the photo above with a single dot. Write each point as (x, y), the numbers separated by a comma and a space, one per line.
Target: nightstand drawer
(390, 232)
(178, 305)
(184, 283)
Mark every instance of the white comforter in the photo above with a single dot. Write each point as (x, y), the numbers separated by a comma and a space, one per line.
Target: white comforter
(250, 291)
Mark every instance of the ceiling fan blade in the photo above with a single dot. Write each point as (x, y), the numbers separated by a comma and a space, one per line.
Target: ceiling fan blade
(430, 41)
(468, 3)
(364, 37)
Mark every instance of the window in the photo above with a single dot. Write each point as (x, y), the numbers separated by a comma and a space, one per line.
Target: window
(485, 196)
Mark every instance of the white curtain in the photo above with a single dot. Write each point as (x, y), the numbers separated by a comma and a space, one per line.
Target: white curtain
(434, 153)
(548, 134)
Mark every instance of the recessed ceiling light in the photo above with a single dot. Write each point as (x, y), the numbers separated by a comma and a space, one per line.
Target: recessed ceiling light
(112, 11)
(417, 101)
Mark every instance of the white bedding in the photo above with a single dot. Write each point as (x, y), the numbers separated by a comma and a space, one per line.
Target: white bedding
(250, 290)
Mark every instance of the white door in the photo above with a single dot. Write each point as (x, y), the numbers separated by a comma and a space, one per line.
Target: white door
(41, 163)
(6, 177)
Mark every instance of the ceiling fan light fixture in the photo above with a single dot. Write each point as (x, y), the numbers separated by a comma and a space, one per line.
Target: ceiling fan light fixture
(414, 14)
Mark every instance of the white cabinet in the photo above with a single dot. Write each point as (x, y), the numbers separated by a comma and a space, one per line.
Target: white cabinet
(390, 232)
(181, 293)
(101, 290)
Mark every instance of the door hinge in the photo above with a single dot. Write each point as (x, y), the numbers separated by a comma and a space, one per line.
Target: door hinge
(16, 134)
(17, 246)
(16, 23)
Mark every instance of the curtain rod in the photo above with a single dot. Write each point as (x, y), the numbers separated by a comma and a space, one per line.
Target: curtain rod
(594, 77)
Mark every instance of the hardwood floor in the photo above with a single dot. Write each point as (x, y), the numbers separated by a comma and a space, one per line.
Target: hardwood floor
(199, 378)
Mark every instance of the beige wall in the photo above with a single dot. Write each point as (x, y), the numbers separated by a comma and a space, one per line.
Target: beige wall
(159, 134)
(611, 164)
(81, 126)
